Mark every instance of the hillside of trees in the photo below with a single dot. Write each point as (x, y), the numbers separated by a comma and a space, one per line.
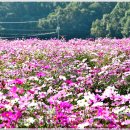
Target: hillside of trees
(114, 24)
(76, 19)
(24, 11)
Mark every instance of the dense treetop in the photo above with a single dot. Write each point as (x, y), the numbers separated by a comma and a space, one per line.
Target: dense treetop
(114, 24)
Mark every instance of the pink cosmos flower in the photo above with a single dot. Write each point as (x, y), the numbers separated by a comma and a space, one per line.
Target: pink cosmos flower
(14, 89)
(65, 105)
(21, 91)
(100, 54)
(7, 115)
(31, 91)
(89, 82)
(18, 81)
(11, 116)
(2, 125)
(47, 67)
(41, 74)
(69, 81)
(111, 125)
(126, 122)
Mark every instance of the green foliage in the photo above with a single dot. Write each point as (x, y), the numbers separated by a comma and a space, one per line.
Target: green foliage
(24, 11)
(88, 59)
(76, 18)
(114, 24)
(98, 29)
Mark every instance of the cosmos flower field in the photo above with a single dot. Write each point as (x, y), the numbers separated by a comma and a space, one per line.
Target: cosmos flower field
(73, 84)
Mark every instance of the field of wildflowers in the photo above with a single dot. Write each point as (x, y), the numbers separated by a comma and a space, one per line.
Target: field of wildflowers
(73, 84)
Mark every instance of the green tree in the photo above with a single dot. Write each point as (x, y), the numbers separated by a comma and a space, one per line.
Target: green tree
(116, 23)
(76, 18)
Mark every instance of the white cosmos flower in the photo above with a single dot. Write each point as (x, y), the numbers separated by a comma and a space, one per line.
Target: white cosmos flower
(32, 104)
(14, 101)
(43, 86)
(40, 118)
(118, 110)
(26, 124)
(61, 77)
(30, 120)
(97, 104)
(89, 96)
(48, 79)
(51, 111)
(8, 107)
(33, 78)
(127, 110)
(84, 60)
(82, 103)
(109, 91)
(81, 126)
(50, 90)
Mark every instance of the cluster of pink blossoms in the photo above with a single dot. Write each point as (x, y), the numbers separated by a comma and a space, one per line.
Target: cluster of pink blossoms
(73, 84)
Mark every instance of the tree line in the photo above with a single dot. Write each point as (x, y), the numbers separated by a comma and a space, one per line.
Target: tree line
(76, 19)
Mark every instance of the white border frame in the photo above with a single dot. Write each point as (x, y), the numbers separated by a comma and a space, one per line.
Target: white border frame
(64, 0)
